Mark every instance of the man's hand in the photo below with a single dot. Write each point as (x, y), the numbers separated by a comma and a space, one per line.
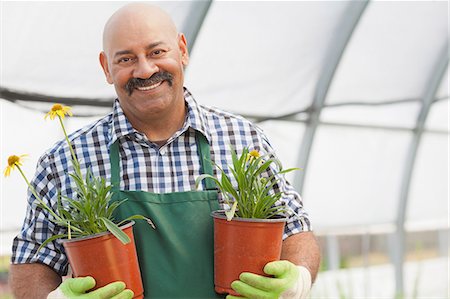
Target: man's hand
(289, 282)
(76, 288)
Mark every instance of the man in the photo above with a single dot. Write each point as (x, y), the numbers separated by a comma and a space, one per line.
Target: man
(154, 135)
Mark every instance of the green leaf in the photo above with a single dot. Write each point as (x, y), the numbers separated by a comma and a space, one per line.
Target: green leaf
(138, 217)
(51, 239)
(288, 170)
(230, 213)
(202, 177)
(116, 231)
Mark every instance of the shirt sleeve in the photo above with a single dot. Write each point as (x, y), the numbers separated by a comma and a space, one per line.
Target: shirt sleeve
(37, 226)
(298, 219)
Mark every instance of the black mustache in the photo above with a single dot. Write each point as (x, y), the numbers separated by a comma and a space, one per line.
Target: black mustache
(155, 78)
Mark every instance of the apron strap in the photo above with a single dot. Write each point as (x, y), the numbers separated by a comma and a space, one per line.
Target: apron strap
(205, 162)
(114, 156)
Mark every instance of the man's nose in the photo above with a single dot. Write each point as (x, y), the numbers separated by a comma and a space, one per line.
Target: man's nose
(145, 69)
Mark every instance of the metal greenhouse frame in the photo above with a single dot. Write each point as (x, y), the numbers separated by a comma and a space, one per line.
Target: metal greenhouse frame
(311, 116)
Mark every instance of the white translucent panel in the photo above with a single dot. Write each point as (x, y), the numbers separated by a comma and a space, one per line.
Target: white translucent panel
(392, 53)
(79, 111)
(398, 115)
(6, 240)
(443, 91)
(285, 138)
(428, 193)
(354, 176)
(53, 47)
(23, 131)
(439, 117)
(262, 57)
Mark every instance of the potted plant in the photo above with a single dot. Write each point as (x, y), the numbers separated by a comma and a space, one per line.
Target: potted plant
(249, 233)
(95, 245)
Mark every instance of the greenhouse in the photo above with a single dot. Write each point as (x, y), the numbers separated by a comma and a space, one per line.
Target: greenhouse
(354, 93)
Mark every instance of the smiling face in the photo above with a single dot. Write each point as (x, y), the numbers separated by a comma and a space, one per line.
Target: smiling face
(144, 57)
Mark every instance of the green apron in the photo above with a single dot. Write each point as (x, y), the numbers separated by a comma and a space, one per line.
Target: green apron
(176, 259)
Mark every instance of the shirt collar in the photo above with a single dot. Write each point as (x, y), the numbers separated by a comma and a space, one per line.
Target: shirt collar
(195, 116)
(195, 119)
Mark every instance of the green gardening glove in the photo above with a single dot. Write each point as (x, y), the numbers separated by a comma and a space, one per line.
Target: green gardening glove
(76, 288)
(288, 282)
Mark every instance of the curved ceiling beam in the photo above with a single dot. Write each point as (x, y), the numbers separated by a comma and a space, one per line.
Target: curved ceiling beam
(292, 116)
(344, 32)
(427, 100)
(194, 21)
(15, 95)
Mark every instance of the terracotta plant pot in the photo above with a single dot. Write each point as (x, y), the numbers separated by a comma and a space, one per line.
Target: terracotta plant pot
(105, 258)
(243, 245)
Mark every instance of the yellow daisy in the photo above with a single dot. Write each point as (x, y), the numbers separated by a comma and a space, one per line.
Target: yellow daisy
(254, 154)
(13, 161)
(58, 110)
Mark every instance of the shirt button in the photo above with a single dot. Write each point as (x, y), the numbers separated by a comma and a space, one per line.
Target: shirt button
(162, 151)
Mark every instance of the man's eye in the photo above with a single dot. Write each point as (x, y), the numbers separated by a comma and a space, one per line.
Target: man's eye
(157, 52)
(124, 60)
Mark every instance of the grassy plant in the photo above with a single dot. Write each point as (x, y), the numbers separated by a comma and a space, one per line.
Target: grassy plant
(254, 196)
(91, 211)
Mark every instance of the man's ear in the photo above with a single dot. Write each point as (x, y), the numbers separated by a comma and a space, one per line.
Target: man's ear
(104, 63)
(182, 44)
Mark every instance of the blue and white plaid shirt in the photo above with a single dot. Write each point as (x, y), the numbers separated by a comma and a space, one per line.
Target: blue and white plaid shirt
(146, 166)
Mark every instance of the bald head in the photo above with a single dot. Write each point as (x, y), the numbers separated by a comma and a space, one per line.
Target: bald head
(132, 17)
(144, 56)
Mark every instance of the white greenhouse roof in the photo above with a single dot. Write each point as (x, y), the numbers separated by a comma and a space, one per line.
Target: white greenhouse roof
(363, 71)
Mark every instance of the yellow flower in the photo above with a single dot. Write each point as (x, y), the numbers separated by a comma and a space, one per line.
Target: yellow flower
(13, 161)
(254, 154)
(59, 110)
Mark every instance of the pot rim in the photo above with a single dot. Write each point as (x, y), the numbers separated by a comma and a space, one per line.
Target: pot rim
(220, 214)
(98, 235)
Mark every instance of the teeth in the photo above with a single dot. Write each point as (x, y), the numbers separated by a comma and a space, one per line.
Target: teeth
(149, 87)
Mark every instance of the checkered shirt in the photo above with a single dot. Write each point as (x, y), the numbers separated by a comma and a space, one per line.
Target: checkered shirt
(146, 166)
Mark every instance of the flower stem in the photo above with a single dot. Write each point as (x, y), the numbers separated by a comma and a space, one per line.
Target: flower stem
(75, 163)
(37, 196)
(74, 157)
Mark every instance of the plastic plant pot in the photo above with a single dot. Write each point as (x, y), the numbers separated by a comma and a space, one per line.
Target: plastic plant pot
(105, 258)
(243, 245)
